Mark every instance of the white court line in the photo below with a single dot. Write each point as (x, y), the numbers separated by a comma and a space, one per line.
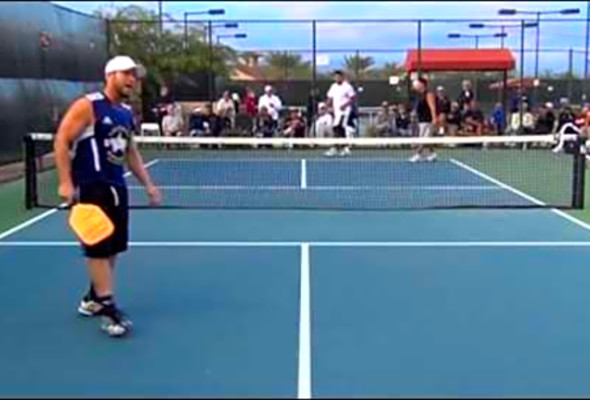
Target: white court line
(303, 174)
(304, 185)
(304, 368)
(47, 213)
(314, 244)
(521, 194)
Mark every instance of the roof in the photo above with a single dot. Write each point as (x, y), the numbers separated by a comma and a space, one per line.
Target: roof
(461, 60)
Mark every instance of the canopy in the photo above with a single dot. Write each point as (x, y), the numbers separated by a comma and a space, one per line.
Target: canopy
(461, 60)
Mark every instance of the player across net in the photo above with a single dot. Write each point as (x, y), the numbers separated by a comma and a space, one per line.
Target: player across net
(312, 173)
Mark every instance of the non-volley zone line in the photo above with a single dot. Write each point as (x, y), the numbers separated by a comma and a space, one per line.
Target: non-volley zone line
(375, 244)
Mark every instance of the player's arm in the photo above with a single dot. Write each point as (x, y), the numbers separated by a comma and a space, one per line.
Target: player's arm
(430, 99)
(78, 117)
(135, 163)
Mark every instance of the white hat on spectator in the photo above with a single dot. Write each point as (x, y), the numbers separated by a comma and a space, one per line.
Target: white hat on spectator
(440, 89)
(549, 105)
(267, 88)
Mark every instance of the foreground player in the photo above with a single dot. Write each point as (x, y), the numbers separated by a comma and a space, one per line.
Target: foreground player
(99, 129)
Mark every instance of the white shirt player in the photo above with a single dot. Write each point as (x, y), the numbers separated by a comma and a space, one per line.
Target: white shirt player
(340, 95)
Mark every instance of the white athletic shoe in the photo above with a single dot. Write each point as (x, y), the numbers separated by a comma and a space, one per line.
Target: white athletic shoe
(344, 152)
(431, 157)
(331, 153)
(415, 158)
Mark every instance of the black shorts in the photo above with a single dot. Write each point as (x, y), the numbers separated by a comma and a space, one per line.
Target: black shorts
(113, 200)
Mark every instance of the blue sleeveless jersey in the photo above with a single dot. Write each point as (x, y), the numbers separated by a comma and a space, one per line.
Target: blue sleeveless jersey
(100, 152)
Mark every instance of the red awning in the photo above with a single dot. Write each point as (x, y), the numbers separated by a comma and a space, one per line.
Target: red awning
(461, 60)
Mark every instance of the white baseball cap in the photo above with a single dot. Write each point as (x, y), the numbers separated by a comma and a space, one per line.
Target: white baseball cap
(123, 63)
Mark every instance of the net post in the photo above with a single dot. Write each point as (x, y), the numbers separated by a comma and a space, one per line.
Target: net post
(31, 195)
(579, 174)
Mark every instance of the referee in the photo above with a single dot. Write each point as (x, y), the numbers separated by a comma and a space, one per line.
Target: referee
(98, 128)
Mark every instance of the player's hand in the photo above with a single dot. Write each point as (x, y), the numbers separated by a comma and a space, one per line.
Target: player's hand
(66, 191)
(154, 194)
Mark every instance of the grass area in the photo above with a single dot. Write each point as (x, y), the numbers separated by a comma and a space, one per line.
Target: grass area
(13, 211)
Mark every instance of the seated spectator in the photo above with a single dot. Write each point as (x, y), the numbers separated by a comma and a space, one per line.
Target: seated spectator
(225, 110)
(528, 122)
(443, 107)
(545, 121)
(265, 125)
(323, 123)
(566, 115)
(172, 124)
(403, 121)
(271, 102)
(384, 122)
(198, 124)
(466, 94)
(473, 119)
(453, 120)
(498, 120)
(295, 125)
(244, 122)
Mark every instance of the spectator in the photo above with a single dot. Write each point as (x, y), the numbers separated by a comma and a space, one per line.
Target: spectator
(323, 123)
(453, 119)
(443, 107)
(403, 121)
(250, 103)
(498, 120)
(199, 123)
(528, 121)
(295, 125)
(384, 121)
(466, 95)
(172, 122)
(244, 123)
(271, 102)
(545, 121)
(473, 119)
(265, 125)
(225, 111)
(566, 115)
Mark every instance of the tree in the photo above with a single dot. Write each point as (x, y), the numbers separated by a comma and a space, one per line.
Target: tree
(284, 65)
(166, 56)
(358, 64)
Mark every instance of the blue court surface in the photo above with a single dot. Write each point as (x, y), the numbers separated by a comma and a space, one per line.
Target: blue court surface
(302, 303)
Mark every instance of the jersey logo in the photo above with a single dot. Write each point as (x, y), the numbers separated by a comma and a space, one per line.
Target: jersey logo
(95, 96)
(107, 120)
(117, 144)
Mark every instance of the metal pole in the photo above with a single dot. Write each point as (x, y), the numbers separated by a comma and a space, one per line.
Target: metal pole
(419, 48)
(160, 16)
(211, 72)
(502, 38)
(313, 75)
(185, 31)
(537, 56)
(476, 41)
(520, 103)
(570, 73)
(585, 78)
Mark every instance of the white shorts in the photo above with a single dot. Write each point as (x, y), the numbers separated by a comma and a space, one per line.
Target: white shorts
(425, 129)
